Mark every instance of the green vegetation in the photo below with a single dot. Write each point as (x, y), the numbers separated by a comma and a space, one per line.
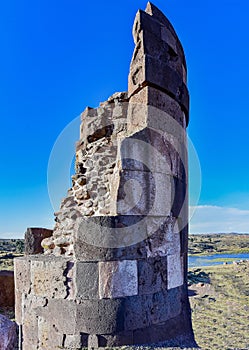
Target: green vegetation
(10, 249)
(218, 244)
(220, 305)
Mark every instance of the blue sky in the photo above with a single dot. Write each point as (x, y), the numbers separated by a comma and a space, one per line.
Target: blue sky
(57, 57)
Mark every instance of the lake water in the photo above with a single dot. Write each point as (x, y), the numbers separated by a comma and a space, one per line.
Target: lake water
(208, 260)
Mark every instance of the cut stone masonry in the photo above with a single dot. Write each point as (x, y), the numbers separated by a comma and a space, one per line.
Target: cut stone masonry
(114, 271)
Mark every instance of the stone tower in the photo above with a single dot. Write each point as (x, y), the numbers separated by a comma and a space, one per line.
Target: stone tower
(114, 270)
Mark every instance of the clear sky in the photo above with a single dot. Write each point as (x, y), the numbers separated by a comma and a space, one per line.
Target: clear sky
(57, 57)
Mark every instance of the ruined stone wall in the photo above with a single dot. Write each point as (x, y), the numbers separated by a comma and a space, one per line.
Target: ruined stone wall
(114, 272)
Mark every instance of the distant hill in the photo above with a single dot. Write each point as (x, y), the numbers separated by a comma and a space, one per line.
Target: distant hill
(220, 233)
(231, 243)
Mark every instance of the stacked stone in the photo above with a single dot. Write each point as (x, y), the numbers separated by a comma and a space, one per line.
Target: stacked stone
(96, 158)
(114, 272)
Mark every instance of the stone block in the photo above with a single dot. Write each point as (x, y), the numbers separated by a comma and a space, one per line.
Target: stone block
(93, 341)
(169, 38)
(143, 22)
(152, 96)
(7, 288)
(163, 240)
(152, 275)
(144, 193)
(137, 310)
(61, 314)
(175, 271)
(184, 240)
(48, 335)
(136, 193)
(33, 238)
(104, 316)
(118, 339)
(111, 238)
(154, 72)
(29, 327)
(173, 240)
(162, 50)
(73, 342)
(157, 15)
(18, 307)
(48, 277)
(87, 280)
(180, 201)
(147, 116)
(174, 333)
(22, 274)
(145, 151)
(144, 310)
(31, 307)
(118, 279)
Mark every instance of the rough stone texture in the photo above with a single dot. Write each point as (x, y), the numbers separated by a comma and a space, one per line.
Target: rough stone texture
(114, 270)
(73, 341)
(175, 271)
(33, 238)
(87, 280)
(152, 275)
(118, 279)
(8, 334)
(7, 289)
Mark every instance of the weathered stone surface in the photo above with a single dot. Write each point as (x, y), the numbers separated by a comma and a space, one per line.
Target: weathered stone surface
(8, 334)
(29, 325)
(151, 96)
(158, 59)
(118, 339)
(87, 280)
(180, 202)
(7, 296)
(33, 239)
(22, 284)
(118, 279)
(93, 341)
(159, 237)
(160, 17)
(142, 311)
(22, 274)
(104, 316)
(175, 332)
(184, 240)
(73, 342)
(149, 193)
(49, 279)
(110, 238)
(175, 271)
(61, 313)
(152, 275)
(48, 335)
(162, 240)
(18, 307)
(147, 150)
(166, 78)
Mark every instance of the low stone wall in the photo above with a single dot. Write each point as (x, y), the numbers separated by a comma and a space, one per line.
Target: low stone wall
(65, 302)
(33, 238)
(7, 289)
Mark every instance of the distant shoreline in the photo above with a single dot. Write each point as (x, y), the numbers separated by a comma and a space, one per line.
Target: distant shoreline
(212, 244)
